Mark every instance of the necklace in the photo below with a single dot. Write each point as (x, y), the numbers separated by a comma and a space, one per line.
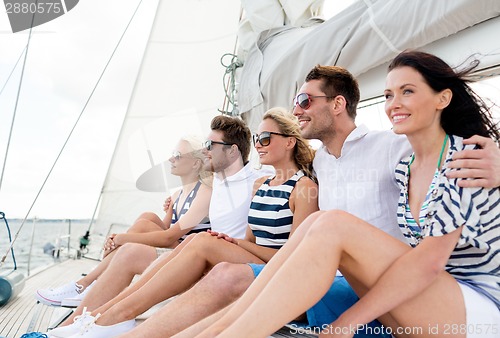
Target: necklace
(440, 155)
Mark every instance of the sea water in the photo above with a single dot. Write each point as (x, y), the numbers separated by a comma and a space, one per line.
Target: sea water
(36, 235)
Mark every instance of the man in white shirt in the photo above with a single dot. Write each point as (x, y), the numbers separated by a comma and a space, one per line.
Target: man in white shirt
(226, 154)
(355, 170)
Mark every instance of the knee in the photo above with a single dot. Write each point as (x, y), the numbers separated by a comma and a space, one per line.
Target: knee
(148, 215)
(229, 280)
(202, 240)
(331, 222)
(128, 252)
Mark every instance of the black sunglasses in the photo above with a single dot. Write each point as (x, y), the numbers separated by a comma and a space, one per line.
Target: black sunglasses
(209, 144)
(303, 100)
(264, 138)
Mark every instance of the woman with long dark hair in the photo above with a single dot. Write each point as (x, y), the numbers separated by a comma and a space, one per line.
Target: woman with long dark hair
(447, 282)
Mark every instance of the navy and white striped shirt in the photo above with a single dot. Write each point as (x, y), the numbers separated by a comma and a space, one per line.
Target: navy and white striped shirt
(270, 217)
(204, 224)
(476, 258)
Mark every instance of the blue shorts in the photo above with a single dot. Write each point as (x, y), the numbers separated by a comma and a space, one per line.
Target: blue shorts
(337, 299)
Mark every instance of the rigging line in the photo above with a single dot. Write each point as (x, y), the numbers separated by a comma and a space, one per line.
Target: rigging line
(225, 106)
(15, 106)
(70, 133)
(12, 71)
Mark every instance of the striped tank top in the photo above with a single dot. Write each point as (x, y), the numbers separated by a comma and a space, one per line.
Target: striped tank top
(177, 213)
(270, 217)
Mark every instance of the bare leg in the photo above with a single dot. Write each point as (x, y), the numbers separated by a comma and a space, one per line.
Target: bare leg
(149, 273)
(145, 223)
(223, 284)
(97, 271)
(343, 242)
(198, 257)
(130, 260)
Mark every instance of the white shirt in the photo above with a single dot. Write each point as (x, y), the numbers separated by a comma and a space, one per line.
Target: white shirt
(362, 180)
(230, 201)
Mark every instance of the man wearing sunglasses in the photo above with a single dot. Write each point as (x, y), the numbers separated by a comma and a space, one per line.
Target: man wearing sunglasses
(355, 170)
(226, 154)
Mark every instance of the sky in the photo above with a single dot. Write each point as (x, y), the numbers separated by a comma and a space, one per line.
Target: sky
(65, 58)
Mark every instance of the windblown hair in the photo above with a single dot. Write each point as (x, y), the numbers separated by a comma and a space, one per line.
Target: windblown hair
(467, 114)
(303, 154)
(195, 142)
(337, 81)
(235, 131)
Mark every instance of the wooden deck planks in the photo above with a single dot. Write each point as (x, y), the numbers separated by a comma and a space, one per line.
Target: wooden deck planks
(23, 314)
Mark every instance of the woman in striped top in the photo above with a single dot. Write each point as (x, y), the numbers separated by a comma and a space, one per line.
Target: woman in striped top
(280, 204)
(448, 284)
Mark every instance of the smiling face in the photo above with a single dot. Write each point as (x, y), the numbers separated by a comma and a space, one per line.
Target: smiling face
(275, 151)
(216, 159)
(316, 122)
(411, 104)
(182, 161)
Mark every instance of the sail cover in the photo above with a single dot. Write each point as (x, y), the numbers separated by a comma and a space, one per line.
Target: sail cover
(363, 38)
(180, 88)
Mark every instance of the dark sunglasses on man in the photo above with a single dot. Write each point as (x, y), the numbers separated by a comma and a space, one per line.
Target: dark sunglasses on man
(264, 138)
(209, 144)
(303, 100)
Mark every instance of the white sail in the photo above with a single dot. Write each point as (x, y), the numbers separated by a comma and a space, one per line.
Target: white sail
(178, 90)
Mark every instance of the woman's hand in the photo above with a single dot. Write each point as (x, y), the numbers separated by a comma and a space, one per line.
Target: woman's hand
(223, 236)
(167, 203)
(112, 243)
(109, 245)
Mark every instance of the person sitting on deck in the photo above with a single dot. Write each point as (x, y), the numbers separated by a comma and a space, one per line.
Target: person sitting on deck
(235, 190)
(280, 204)
(345, 161)
(448, 282)
(139, 247)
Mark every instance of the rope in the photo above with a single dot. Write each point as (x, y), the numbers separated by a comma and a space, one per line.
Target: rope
(230, 78)
(15, 106)
(2, 216)
(229, 89)
(12, 71)
(70, 133)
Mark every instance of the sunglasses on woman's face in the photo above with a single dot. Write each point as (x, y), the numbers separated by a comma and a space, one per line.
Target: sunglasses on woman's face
(303, 100)
(176, 155)
(264, 138)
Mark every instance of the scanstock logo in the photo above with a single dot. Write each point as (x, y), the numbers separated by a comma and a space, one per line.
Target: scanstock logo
(24, 14)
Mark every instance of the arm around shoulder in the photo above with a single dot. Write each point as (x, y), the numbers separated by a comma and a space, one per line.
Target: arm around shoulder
(481, 166)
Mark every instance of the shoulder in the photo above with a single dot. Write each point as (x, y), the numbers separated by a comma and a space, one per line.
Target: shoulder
(176, 194)
(205, 189)
(259, 181)
(306, 185)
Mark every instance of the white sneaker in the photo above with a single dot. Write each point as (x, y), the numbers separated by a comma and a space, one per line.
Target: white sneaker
(78, 323)
(56, 295)
(76, 300)
(92, 330)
